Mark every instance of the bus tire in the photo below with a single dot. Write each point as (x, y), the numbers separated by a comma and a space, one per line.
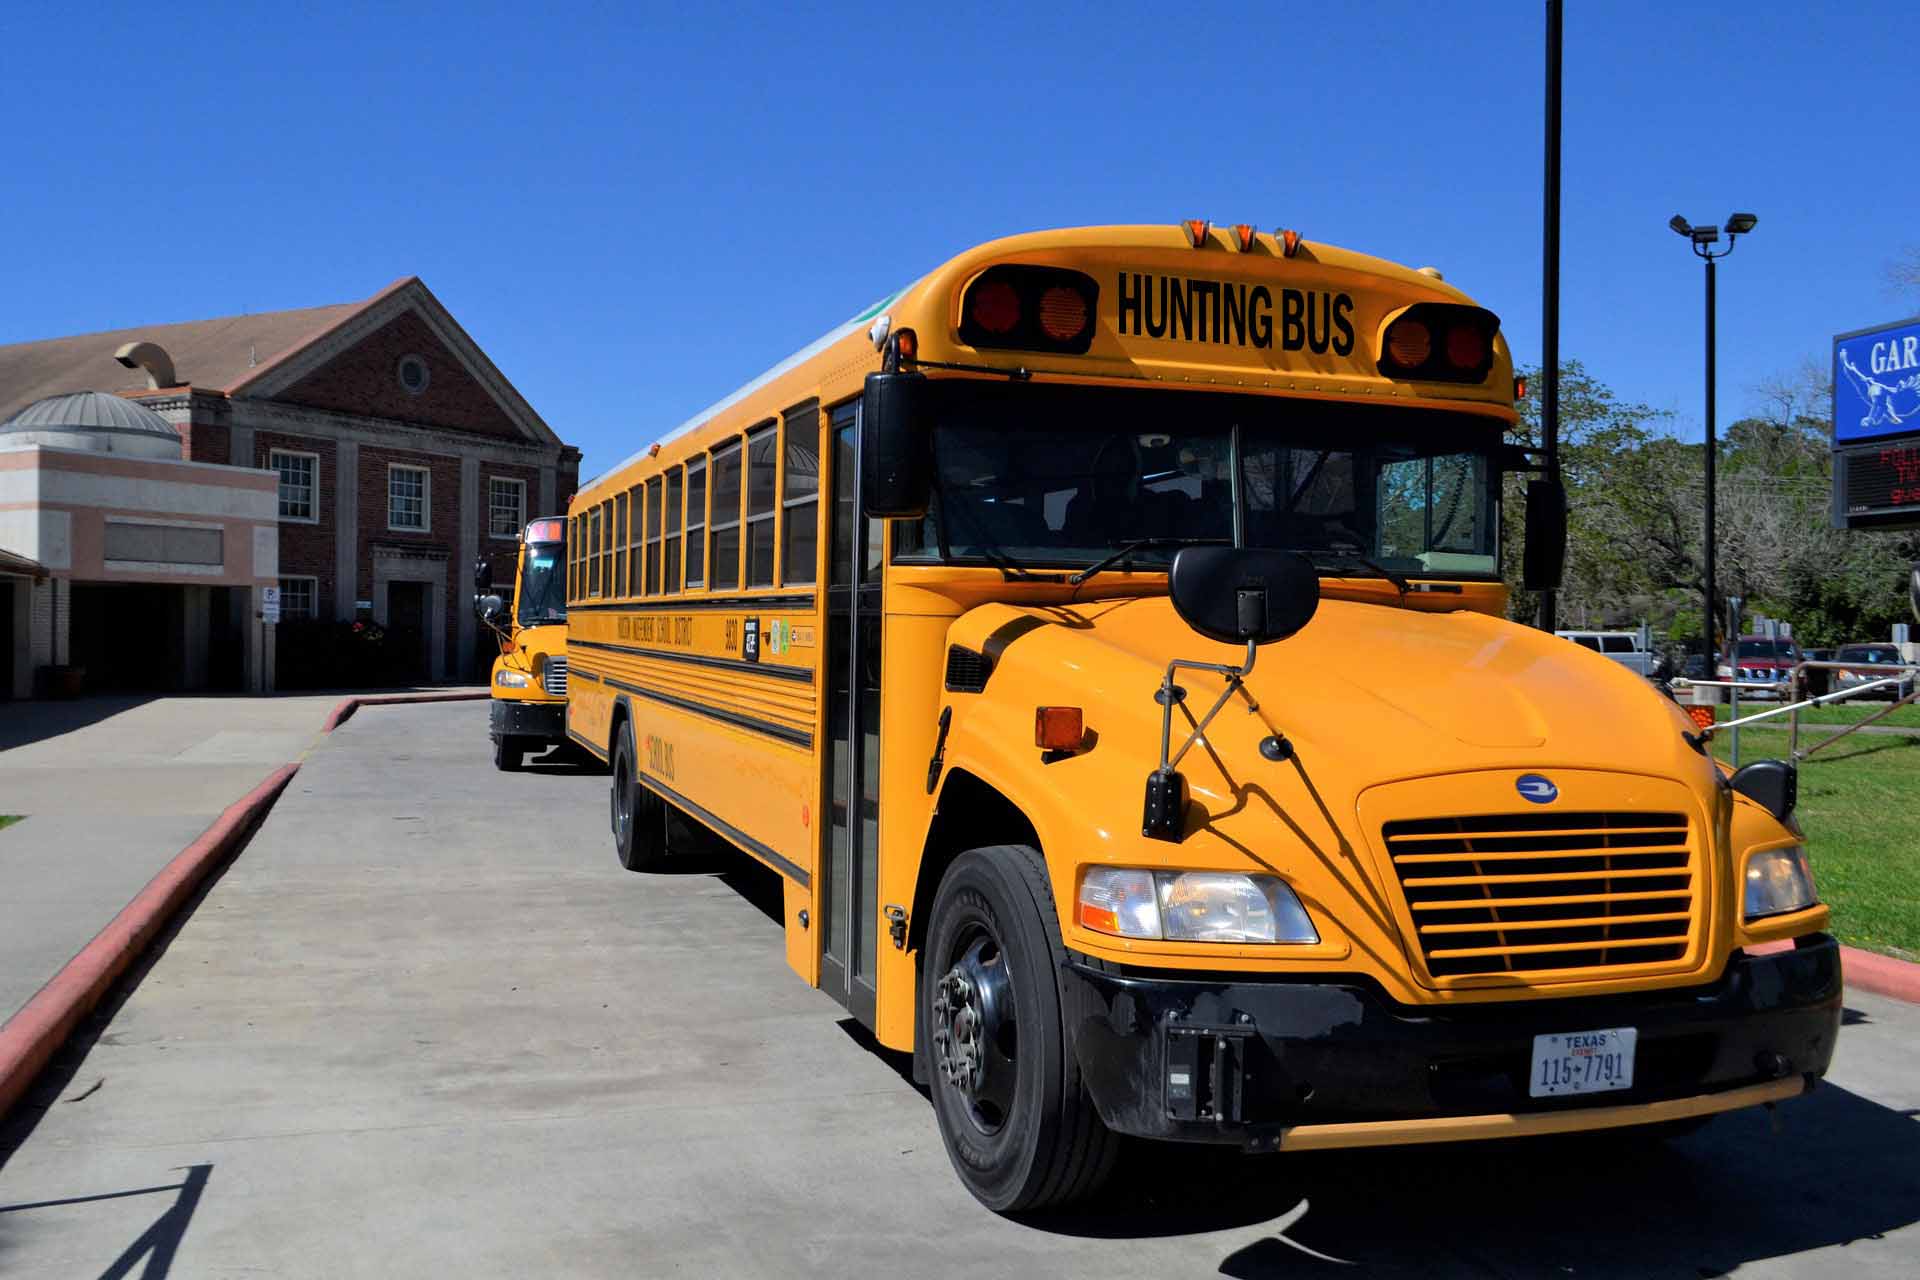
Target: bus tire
(507, 752)
(1014, 1115)
(639, 816)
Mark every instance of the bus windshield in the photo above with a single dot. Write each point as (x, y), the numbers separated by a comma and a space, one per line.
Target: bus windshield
(1047, 476)
(543, 584)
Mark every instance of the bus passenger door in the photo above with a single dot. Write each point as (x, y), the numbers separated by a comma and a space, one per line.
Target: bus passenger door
(850, 895)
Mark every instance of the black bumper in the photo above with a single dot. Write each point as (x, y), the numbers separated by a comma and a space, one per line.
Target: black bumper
(1235, 1062)
(546, 721)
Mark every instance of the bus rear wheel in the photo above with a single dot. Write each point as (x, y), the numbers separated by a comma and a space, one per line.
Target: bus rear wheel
(1016, 1119)
(639, 816)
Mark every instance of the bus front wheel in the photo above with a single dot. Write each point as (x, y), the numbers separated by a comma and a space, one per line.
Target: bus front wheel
(639, 816)
(1016, 1119)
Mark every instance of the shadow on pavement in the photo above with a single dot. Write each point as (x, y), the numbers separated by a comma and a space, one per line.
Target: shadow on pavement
(158, 1243)
(22, 723)
(1844, 1169)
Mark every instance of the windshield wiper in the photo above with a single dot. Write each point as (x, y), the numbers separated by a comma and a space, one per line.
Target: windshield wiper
(1142, 544)
(1398, 579)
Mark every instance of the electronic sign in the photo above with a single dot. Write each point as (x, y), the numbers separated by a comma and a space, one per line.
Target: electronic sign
(1876, 427)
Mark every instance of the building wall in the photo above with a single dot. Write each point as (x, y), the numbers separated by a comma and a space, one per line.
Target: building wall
(307, 550)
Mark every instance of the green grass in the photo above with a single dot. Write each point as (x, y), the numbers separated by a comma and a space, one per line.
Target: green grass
(1851, 712)
(8, 819)
(1863, 832)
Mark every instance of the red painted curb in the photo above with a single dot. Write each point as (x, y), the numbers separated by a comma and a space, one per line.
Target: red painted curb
(31, 1036)
(342, 713)
(1867, 970)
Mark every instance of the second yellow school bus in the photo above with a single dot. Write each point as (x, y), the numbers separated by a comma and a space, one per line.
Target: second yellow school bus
(1103, 639)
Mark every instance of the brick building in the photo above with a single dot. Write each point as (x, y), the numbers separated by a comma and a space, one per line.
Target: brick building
(403, 454)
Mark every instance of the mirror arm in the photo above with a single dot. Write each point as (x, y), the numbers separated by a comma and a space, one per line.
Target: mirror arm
(1234, 675)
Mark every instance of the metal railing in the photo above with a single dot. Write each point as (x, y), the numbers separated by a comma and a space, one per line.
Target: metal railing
(1791, 688)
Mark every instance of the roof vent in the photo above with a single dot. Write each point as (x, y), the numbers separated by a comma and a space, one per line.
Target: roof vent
(152, 357)
(1432, 273)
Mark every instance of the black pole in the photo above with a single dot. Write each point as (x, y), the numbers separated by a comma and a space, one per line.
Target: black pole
(1707, 575)
(1550, 282)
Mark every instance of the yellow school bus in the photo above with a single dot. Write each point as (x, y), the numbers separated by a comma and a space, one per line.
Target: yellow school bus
(1103, 639)
(529, 681)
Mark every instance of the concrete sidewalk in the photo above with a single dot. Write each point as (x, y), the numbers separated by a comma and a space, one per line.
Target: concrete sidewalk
(425, 1025)
(113, 788)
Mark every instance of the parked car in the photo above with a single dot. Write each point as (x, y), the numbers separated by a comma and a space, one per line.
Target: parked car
(1694, 667)
(1875, 655)
(1761, 658)
(1622, 646)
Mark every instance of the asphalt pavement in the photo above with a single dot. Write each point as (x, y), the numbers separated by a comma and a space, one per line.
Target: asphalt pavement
(425, 1024)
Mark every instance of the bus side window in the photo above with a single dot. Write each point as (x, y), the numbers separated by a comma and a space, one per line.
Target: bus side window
(593, 547)
(619, 579)
(653, 536)
(724, 526)
(696, 523)
(800, 496)
(671, 582)
(762, 451)
(636, 497)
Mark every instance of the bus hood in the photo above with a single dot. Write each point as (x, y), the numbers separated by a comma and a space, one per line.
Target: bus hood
(1374, 691)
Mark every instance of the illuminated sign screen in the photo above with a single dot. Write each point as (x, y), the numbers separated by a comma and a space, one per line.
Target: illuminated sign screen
(1876, 382)
(1877, 485)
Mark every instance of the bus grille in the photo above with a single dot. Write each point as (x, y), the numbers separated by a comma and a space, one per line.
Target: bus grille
(556, 677)
(1513, 892)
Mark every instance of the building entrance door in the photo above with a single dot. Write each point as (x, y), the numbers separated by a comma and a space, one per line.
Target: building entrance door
(408, 629)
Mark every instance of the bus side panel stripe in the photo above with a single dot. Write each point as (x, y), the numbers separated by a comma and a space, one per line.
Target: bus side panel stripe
(785, 866)
(702, 660)
(799, 737)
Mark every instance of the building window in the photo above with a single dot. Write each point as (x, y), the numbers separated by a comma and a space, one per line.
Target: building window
(800, 496)
(506, 506)
(299, 484)
(696, 523)
(672, 567)
(413, 374)
(407, 493)
(299, 599)
(724, 531)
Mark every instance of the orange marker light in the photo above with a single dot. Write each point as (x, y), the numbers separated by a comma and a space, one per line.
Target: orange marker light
(1289, 242)
(653, 451)
(1197, 229)
(1519, 388)
(1103, 919)
(1058, 728)
(545, 531)
(1246, 236)
(907, 343)
(1702, 716)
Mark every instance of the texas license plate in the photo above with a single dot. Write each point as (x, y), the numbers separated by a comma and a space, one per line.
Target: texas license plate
(1582, 1062)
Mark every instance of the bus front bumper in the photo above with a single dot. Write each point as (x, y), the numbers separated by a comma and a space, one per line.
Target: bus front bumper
(1293, 1064)
(546, 721)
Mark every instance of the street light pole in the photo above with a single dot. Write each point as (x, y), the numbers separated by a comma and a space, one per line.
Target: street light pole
(1703, 240)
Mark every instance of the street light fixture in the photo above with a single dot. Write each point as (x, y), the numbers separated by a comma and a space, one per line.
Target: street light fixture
(1703, 239)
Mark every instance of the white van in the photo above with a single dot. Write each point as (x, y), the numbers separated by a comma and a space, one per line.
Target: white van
(1622, 646)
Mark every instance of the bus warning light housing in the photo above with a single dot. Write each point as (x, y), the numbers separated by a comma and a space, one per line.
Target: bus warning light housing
(1011, 307)
(1439, 342)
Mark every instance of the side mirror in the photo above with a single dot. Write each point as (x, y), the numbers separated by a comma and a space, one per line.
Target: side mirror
(1243, 594)
(1774, 785)
(1544, 558)
(491, 609)
(482, 576)
(896, 447)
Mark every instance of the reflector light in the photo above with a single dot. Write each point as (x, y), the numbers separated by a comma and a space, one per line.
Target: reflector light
(907, 343)
(1245, 236)
(1466, 347)
(1197, 229)
(1289, 242)
(545, 531)
(1058, 728)
(1702, 716)
(1519, 388)
(996, 307)
(1409, 343)
(1063, 313)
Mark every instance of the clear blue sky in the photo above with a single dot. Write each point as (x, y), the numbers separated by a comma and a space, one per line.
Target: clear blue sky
(636, 208)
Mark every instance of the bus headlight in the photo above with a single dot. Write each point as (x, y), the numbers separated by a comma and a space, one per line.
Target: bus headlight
(1192, 906)
(512, 679)
(1778, 881)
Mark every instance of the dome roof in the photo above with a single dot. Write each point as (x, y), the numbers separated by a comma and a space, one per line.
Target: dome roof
(93, 420)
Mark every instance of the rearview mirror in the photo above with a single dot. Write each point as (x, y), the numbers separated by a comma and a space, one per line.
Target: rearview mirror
(482, 576)
(1544, 558)
(896, 446)
(491, 609)
(1242, 594)
(1774, 785)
